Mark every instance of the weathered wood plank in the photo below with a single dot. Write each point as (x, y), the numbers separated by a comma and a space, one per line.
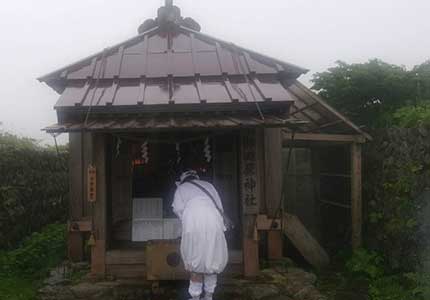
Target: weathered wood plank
(98, 252)
(307, 245)
(273, 186)
(266, 223)
(87, 157)
(127, 271)
(260, 171)
(251, 266)
(79, 226)
(275, 242)
(250, 187)
(273, 170)
(75, 240)
(319, 137)
(126, 257)
(121, 178)
(163, 262)
(75, 246)
(356, 201)
(98, 262)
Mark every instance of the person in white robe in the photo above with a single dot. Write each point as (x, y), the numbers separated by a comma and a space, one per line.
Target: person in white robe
(203, 244)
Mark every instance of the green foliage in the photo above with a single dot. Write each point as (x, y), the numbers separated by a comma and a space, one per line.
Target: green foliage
(33, 188)
(383, 283)
(22, 269)
(369, 93)
(396, 173)
(412, 116)
(37, 253)
(367, 263)
(16, 288)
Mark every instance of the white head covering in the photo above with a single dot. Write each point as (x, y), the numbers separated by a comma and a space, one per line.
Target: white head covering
(187, 174)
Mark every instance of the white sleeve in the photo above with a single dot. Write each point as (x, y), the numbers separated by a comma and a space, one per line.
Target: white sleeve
(178, 204)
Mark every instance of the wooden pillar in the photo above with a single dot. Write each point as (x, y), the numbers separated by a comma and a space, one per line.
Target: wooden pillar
(356, 201)
(250, 197)
(75, 240)
(98, 251)
(275, 244)
(273, 186)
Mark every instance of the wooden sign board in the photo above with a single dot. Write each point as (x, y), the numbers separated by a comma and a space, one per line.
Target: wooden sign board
(249, 172)
(92, 183)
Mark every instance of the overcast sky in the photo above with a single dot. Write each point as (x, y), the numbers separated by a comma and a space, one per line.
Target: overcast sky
(40, 36)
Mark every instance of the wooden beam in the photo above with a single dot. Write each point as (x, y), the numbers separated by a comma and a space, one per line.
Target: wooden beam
(251, 263)
(273, 170)
(75, 241)
(80, 226)
(275, 242)
(299, 110)
(98, 258)
(250, 258)
(356, 201)
(265, 223)
(304, 242)
(98, 253)
(319, 137)
(273, 186)
(317, 98)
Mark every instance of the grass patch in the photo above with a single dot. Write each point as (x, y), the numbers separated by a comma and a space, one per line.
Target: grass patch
(16, 288)
(22, 270)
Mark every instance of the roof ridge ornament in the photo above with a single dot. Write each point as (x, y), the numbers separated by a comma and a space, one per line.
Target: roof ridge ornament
(169, 17)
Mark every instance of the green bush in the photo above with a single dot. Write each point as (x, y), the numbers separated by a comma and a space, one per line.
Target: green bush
(33, 188)
(367, 263)
(396, 175)
(37, 253)
(384, 283)
(413, 116)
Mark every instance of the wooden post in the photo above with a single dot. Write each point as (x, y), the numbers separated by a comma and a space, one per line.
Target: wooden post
(250, 258)
(273, 186)
(98, 252)
(250, 198)
(75, 242)
(275, 244)
(356, 202)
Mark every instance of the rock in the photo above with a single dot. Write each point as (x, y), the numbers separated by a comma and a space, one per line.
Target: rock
(296, 274)
(284, 263)
(87, 290)
(281, 297)
(423, 131)
(56, 293)
(81, 266)
(57, 277)
(309, 293)
(260, 291)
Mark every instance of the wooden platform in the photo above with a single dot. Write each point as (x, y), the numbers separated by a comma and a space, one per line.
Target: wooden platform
(130, 263)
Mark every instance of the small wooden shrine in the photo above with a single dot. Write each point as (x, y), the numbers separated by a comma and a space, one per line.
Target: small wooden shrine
(137, 110)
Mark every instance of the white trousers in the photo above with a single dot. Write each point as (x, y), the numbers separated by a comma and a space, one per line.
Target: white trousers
(196, 288)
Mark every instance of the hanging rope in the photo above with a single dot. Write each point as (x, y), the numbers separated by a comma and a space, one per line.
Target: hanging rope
(170, 141)
(279, 211)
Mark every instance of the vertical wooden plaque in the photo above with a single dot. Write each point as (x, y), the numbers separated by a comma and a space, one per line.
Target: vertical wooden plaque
(92, 183)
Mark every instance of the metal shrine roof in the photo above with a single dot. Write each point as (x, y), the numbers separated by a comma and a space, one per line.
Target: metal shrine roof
(171, 62)
(171, 67)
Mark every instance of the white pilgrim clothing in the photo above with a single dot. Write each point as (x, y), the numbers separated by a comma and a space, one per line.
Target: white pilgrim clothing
(203, 244)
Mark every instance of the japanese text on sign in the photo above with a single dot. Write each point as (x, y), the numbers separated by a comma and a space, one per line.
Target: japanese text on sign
(249, 172)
